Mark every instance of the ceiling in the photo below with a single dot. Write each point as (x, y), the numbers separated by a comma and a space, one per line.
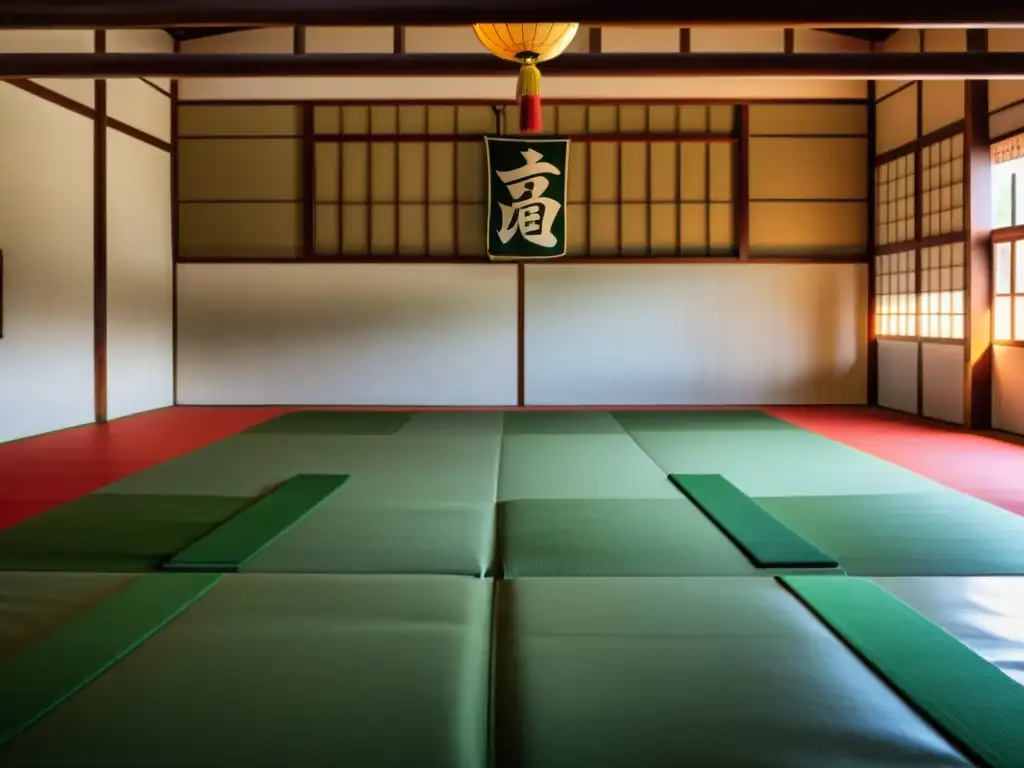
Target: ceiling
(194, 33)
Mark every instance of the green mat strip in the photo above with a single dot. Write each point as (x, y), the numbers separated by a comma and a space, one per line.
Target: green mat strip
(45, 674)
(977, 706)
(242, 537)
(766, 540)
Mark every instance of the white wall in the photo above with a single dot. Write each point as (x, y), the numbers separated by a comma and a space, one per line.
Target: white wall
(351, 334)
(695, 334)
(46, 232)
(1008, 386)
(140, 373)
(943, 369)
(897, 375)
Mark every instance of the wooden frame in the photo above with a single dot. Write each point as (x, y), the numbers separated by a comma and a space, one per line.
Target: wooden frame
(963, 65)
(738, 137)
(130, 13)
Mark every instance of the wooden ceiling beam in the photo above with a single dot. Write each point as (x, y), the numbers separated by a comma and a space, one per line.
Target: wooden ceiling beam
(783, 13)
(902, 66)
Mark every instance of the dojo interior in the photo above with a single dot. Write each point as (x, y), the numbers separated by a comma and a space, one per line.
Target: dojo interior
(292, 474)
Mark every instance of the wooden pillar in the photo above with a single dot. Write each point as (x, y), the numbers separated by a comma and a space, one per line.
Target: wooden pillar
(977, 248)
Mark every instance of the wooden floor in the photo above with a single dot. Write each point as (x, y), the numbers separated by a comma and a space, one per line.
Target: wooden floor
(37, 474)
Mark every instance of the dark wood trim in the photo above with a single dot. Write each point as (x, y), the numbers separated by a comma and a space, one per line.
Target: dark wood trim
(130, 13)
(299, 39)
(978, 279)
(593, 102)
(1003, 108)
(399, 260)
(945, 132)
(893, 92)
(802, 136)
(918, 220)
(521, 334)
(684, 39)
(426, 138)
(925, 242)
(399, 38)
(175, 250)
(788, 40)
(99, 250)
(741, 183)
(872, 213)
(135, 133)
(910, 66)
(1, 293)
(155, 87)
(307, 175)
(594, 41)
(1008, 343)
(1008, 234)
(53, 97)
(927, 340)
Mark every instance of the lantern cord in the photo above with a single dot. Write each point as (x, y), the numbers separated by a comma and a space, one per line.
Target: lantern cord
(528, 96)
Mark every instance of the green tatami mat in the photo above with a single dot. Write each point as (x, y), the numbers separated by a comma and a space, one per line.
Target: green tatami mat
(613, 537)
(765, 540)
(592, 466)
(113, 532)
(985, 613)
(245, 535)
(908, 534)
(778, 462)
(561, 422)
(700, 420)
(689, 672)
(333, 423)
(451, 466)
(47, 673)
(34, 604)
(346, 536)
(969, 699)
(291, 671)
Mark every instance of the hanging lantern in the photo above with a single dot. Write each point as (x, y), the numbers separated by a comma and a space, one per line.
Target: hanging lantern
(527, 44)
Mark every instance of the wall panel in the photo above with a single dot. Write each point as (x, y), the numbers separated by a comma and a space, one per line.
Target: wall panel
(708, 334)
(942, 104)
(630, 39)
(503, 88)
(898, 375)
(140, 105)
(55, 41)
(942, 382)
(819, 41)
(795, 228)
(1008, 386)
(142, 41)
(367, 334)
(896, 119)
(140, 373)
(46, 224)
(736, 40)
(902, 41)
(267, 40)
(350, 40)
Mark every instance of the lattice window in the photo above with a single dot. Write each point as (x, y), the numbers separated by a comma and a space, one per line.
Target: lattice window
(1009, 291)
(409, 180)
(894, 196)
(895, 294)
(942, 187)
(942, 291)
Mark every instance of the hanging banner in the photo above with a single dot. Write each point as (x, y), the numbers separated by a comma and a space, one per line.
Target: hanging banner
(526, 203)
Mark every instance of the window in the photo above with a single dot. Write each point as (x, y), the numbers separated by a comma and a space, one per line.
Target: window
(1008, 240)
(409, 180)
(894, 196)
(1008, 183)
(1009, 291)
(942, 292)
(895, 294)
(942, 187)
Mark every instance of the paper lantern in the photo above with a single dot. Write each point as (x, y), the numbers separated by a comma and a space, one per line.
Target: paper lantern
(528, 44)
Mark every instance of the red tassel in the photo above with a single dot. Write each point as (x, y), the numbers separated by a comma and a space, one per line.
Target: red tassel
(529, 114)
